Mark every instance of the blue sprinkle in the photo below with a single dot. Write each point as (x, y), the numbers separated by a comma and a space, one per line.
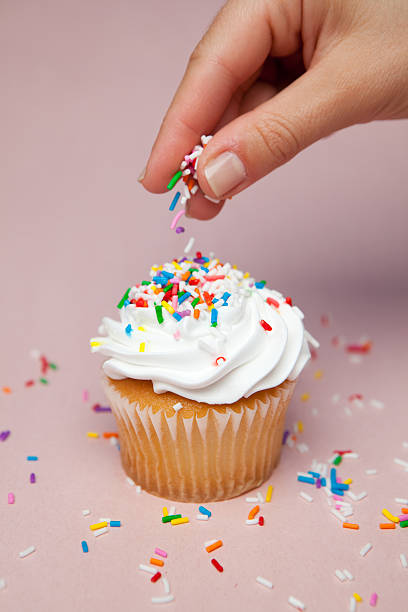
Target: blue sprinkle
(167, 274)
(174, 201)
(177, 316)
(306, 479)
(84, 545)
(333, 477)
(160, 280)
(214, 317)
(341, 486)
(225, 296)
(315, 474)
(205, 259)
(260, 284)
(32, 458)
(126, 303)
(337, 491)
(205, 269)
(323, 481)
(128, 329)
(183, 297)
(114, 523)
(215, 300)
(204, 511)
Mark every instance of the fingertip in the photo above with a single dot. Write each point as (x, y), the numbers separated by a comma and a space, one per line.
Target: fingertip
(199, 207)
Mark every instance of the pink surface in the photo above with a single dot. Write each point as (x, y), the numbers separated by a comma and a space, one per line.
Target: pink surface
(84, 88)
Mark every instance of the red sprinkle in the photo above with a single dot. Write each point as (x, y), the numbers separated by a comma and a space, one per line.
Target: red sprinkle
(221, 357)
(29, 383)
(215, 277)
(265, 325)
(194, 281)
(359, 348)
(272, 302)
(338, 452)
(289, 301)
(44, 364)
(217, 565)
(261, 521)
(156, 577)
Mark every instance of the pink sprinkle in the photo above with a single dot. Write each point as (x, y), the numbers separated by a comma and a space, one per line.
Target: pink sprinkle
(160, 552)
(174, 301)
(85, 395)
(373, 599)
(11, 498)
(402, 517)
(338, 507)
(177, 335)
(337, 497)
(176, 218)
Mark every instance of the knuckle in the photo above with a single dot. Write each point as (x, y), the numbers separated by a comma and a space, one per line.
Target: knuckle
(279, 136)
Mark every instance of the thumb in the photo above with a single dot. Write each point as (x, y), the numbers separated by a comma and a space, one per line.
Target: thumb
(321, 101)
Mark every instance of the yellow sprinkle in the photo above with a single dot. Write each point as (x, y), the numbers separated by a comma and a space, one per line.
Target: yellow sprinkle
(142, 347)
(304, 397)
(357, 597)
(186, 261)
(92, 434)
(390, 516)
(154, 268)
(269, 493)
(167, 306)
(300, 426)
(98, 525)
(177, 266)
(95, 343)
(165, 511)
(246, 275)
(180, 521)
(140, 328)
(318, 374)
(348, 481)
(234, 267)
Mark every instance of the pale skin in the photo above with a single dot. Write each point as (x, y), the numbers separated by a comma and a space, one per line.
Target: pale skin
(271, 77)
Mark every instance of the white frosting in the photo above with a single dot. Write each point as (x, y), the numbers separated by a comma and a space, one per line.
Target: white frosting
(180, 356)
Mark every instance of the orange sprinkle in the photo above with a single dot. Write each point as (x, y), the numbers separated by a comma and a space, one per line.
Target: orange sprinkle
(6, 390)
(404, 510)
(387, 525)
(196, 313)
(253, 512)
(214, 546)
(110, 434)
(158, 562)
(190, 184)
(185, 276)
(351, 526)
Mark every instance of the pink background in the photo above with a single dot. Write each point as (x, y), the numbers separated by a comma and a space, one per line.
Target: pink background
(84, 86)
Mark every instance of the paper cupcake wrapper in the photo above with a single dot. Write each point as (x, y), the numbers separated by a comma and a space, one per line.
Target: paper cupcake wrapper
(200, 456)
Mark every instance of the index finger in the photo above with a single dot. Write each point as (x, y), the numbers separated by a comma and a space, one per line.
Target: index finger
(235, 46)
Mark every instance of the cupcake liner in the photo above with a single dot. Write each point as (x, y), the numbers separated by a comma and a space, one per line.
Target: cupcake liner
(205, 454)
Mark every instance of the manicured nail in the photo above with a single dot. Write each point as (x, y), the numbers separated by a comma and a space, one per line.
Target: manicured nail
(142, 175)
(224, 173)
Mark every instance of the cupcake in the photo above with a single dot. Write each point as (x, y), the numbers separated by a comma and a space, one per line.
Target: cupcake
(200, 368)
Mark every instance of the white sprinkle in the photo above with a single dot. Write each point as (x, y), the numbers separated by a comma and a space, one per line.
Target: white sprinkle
(290, 442)
(178, 406)
(376, 403)
(253, 521)
(26, 552)
(371, 472)
(340, 575)
(315, 412)
(365, 549)
(402, 500)
(348, 512)
(165, 599)
(351, 495)
(335, 398)
(327, 491)
(202, 517)
(101, 531)
(348, 575)
(194, 190)
(172, 510)
(252, 500)
(355, 359)
(260, 498)
(348, 411)
(264, 581)
(351, 456)
(302, 448)
(296, 603)
(361, 496)
(2, 583)
(357, 403)
(353, 605)
(138, 489)
(405, 444)
(304, 474)
(401, 462)
(404, 561)
(35, 353)
(147, 568)
(337, 514)
(130, 481)
(305, 496)
(209, 542)
(343, 503)
(104, 520)
(86, 512)
(189, 245)
(166, 585)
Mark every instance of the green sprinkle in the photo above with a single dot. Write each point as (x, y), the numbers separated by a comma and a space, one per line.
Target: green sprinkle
(195, 302)
(44, 381)
(337, 460)
(123, 300)
(53, 366)
(174, 180)
(214, 324)
(167, 519)
(166, 289)
(146, 282)
(159, 313)
(180, 293)
(404, 523)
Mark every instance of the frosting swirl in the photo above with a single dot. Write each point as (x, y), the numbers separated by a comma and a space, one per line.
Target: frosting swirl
(179, 343)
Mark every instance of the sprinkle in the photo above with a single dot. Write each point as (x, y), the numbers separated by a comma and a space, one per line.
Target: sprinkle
(218, 358)
(261, 521)
(403, 560)
(387, 525)
(202, 517)
(253, 512)
(179, 521)
(114, 523)
(176, 177)
(142, 347)
(265, 325)
(166, 585)
(269, 493)
(340, 575)
(403, 524)
(98, 525)
(371, 472)
(189, 245)
(11, 498)
(6, 390)
(26, 552)
(264, 581)
(86, 512)
(32, 458)
(196, 313)
(156, 577)
(130, 481)
(337, 514)
(84, 545)
(353, 605)
(160, 552)
(296, 603)
(365, 549)
(159, 313)
(99, 532)
(357, 597)
(170, 517)
(32, 478)
(146, 568)
(165, 512)
(110, 434)
(306, 479)
(165, 599)
(390, 516)
(154, 561)
(138, 489)
(373, 599)
(176, 218)
(2, 583)
(204, 511)
(92, 434)
(351, 526)
(260, 497)
(305, 496)
(124, 298)
(348, 575)
(402, 500)
(318, 374)
(304, 397)
(174, 201)
(172, 510)
(214, 546)
(217, 565)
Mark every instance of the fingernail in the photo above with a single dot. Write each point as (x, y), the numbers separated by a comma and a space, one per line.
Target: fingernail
(142, 175)
(224, 173)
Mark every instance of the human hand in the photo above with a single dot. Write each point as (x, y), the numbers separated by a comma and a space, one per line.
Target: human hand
(269, 78)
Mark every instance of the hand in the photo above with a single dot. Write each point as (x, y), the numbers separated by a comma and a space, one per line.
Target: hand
(270, 77)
